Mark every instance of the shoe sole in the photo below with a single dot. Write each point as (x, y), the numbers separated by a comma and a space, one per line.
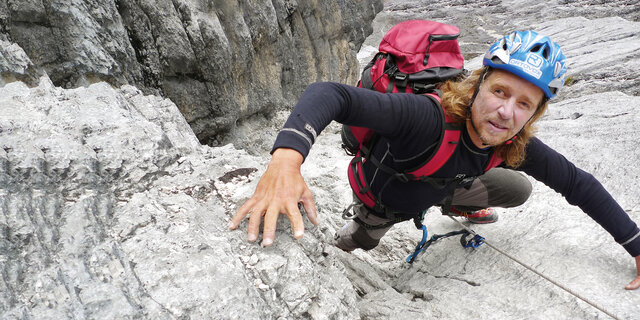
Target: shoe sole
(474, 221)
(481, 221)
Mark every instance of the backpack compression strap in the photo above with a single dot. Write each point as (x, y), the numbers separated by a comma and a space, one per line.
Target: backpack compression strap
(451, 133)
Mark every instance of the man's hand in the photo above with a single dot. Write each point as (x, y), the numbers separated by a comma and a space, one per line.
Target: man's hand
(279, 190)
(635, 284)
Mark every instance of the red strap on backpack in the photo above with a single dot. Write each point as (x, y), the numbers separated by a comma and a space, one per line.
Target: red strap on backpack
(447, 147)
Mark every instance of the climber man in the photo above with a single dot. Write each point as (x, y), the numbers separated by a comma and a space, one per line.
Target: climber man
(496, 107)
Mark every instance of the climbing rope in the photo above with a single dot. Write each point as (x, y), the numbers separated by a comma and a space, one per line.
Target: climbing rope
(593, 304)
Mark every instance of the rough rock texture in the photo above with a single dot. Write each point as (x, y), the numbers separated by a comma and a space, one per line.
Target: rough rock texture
(219, 61)
(110, 207)
(482, 22)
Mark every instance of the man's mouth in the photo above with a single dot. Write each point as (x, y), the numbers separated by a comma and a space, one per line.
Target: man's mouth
(498, 126)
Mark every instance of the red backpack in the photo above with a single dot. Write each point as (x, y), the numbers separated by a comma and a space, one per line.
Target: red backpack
(414, 57)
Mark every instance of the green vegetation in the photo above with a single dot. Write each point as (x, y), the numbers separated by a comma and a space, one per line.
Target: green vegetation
(569, 81)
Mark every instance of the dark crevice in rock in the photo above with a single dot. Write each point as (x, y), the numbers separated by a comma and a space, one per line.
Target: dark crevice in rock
(139, 30)
(241, 172)
(469, 282)
(140, 289)
(77, 308)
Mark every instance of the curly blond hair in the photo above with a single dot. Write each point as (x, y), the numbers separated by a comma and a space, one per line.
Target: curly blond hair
(456, 96)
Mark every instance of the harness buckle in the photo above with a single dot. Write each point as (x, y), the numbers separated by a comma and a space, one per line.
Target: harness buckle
(467, 180)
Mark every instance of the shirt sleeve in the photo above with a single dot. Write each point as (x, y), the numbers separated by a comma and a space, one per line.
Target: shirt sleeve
(582, 189)
(408, 118)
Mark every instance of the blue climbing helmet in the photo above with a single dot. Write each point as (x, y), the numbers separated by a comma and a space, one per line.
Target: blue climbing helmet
(532, 57)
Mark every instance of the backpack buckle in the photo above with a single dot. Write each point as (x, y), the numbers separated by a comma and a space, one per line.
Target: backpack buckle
(400, 76)
(423, 87)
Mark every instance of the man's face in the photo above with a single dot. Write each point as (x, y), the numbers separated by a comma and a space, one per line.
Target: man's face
(504, 104)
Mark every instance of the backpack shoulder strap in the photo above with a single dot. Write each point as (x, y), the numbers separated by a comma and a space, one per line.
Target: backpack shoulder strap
(450, 138)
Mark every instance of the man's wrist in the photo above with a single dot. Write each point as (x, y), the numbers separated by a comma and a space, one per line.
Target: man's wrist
(287, 156)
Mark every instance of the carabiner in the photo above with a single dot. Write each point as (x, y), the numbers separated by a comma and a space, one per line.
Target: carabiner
(348, 214)
(474, 242)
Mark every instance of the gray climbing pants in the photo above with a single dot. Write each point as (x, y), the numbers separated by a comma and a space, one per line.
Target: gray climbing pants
(498, 187)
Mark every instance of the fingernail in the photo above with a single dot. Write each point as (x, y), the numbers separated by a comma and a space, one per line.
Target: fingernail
(298, 234)
(230, 224)
(267, 242)
(252, 237)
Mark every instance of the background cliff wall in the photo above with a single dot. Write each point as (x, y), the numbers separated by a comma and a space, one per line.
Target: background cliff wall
(219, 61)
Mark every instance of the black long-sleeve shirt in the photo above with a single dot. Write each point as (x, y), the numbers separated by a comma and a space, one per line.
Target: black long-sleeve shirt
(409, 124)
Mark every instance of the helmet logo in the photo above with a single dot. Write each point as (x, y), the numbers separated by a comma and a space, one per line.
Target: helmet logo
(529, 66)
(534, 60)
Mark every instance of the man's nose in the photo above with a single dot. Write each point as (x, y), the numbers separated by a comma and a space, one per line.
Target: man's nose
(506, 109)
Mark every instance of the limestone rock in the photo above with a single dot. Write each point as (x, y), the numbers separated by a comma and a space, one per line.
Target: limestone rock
(112, 209)
(219, 61)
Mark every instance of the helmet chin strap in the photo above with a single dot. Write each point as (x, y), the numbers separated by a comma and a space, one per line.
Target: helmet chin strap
(473, 98)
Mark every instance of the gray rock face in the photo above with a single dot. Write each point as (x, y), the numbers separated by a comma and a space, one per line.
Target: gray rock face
(219, 61)
(111, 208)
(481, 22)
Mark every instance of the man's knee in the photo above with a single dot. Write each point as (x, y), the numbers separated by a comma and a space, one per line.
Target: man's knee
(521, 191)
(507, 188)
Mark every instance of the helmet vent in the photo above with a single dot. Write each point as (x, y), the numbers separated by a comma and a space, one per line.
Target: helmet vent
(558, 68)
(515, 48)
(512, 37)
(545, 52)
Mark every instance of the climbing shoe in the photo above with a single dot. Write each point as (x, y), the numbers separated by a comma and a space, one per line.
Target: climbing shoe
(488, 215)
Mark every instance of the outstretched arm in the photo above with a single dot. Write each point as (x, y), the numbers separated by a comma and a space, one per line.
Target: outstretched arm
(282, 187)
(279, 191)
(582, 189)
